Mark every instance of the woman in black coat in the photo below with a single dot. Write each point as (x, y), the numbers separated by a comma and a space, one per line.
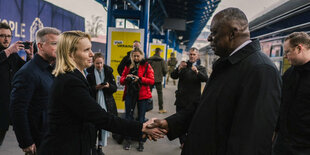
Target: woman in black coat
(73, 113)
(102, 83)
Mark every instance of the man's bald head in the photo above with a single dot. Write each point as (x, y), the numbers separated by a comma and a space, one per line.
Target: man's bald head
(229, 29)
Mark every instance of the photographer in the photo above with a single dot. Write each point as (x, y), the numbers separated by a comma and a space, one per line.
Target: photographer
(137, 77)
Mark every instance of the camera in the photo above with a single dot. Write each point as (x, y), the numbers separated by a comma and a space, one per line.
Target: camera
(130, 78)
(26, 45)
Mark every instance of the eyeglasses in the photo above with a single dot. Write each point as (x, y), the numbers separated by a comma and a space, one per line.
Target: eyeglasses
(5, 36)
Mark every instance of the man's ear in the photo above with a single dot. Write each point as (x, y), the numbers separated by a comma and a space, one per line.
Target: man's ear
(299, 48)
(232, 34)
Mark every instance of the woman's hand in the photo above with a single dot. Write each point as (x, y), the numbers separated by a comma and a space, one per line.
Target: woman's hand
(107, 85)
(99, 86)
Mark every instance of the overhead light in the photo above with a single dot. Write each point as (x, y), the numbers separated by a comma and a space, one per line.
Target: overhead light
(180, 37)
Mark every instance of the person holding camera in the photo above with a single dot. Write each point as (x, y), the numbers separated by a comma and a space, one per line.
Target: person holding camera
(137, 77)
(10, 63)
(102, 83)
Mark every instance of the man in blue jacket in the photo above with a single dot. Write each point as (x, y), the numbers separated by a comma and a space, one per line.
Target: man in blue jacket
(30, 91)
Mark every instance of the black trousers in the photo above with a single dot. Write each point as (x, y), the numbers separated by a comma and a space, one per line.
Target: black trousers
(282, 146)
(183, 137)
(2, 135)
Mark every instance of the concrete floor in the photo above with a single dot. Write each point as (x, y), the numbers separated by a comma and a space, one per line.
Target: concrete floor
(161, 147)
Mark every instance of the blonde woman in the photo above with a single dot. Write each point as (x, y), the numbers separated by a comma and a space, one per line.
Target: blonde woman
(137, 77)
(73, 113)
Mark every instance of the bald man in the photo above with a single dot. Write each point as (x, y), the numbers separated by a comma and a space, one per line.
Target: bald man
(238, 109)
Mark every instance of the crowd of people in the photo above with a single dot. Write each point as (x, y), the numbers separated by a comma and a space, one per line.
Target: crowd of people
(61, 100)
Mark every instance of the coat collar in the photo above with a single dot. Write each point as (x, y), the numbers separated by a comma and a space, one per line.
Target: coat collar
(244, 52)
(78, 74)
(43, 64)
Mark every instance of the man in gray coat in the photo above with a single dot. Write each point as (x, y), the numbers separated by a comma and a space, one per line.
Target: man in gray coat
(160, 70)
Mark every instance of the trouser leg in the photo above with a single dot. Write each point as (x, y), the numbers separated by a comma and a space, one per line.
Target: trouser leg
(2, 135)
(159, 89)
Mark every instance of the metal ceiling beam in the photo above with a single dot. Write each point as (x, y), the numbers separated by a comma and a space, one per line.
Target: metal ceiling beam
(163, 7)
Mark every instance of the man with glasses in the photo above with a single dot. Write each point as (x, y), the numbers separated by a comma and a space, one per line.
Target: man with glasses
(10, 63)
(293, 129)
(30, 91)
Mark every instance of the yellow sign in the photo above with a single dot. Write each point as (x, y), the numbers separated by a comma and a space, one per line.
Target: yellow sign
(120, 41)
(170, 50)
(161, 46)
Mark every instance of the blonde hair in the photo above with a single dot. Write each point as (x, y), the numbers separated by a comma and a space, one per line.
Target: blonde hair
(66, 47)
(131, 55)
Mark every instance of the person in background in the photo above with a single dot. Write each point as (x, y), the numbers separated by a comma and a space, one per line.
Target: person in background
(160, 70)
(293, 129)
(172, 63)
(102, 83)
(73, 114)
(137, 77)
(10, 63)
(126, 59)
(190, 76)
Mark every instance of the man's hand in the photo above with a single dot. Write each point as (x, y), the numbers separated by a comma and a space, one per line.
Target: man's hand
(194, 68)
(182, 65)
(153, 133)
(159, 123)
(29, 51)
(14, 48)
(30, 149)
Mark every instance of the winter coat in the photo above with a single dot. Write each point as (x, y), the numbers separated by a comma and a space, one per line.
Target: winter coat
(8, 67)
(238, 109)
(108, 92)
(189, 85)
(145, 81)
(73, 115)
(159, 66)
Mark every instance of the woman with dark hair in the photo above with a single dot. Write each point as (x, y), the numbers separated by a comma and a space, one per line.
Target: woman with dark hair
(137, 77)
(102, 83)
(73, 114)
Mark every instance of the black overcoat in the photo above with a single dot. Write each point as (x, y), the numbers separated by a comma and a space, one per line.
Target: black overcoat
(8, 67)
(71, 113)
(238, 109)
(108, 92)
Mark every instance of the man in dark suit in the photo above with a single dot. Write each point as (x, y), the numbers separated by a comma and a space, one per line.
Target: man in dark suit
(10, 63)
(30, 91)
(293, 130)
(238, 109)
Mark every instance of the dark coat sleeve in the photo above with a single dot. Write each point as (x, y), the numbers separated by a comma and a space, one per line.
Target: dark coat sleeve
(84, 107)
(22, 92)
(92, 83)
(202, 74)
(256, 113)
(175, 73)
(111, 80)
(178, 123)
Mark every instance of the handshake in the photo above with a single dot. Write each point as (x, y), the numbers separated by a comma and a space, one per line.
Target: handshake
(155, 129)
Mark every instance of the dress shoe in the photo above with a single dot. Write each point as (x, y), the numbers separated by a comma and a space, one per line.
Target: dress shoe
(126, 145)
(140, 147)
(162, 111)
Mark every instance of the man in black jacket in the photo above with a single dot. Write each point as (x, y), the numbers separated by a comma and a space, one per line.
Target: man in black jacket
(239, 106)
(293, 130)
(30, 91)
(10, 63)
(190, 76)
